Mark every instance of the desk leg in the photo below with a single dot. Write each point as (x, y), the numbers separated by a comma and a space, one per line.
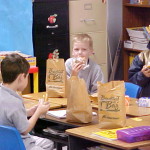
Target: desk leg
(76, 143)
(58, 146)
(35, 83)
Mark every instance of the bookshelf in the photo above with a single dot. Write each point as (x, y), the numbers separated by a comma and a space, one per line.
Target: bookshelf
(134, 15)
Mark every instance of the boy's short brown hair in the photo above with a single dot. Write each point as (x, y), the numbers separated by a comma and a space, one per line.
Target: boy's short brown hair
(13, 65)
(83, 38)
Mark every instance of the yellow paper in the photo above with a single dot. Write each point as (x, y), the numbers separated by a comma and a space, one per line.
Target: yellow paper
(110, 134)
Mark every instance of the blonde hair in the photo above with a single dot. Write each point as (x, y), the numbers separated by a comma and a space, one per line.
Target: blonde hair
(83, 38)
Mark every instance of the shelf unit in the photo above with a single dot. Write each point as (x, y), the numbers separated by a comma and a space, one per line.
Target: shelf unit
(134, 15)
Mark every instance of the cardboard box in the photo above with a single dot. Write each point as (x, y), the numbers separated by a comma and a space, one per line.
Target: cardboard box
(128, 44)
(31, 60)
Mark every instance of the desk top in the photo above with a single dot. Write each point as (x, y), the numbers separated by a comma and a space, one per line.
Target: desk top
(30, 103)
(36, 96)
(72, 124)
(87, 133)
(132, 110)
(140, 119)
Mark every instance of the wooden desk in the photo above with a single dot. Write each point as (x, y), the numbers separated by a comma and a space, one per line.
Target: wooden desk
(135, 111)
(132, 110)
(82, 137)
(34, 96)
(37, 96)
(30, 103)
(140, 119)
(54, 123)
(77, 135)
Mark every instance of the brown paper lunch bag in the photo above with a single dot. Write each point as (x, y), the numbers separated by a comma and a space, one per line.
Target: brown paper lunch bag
(79, 108)
(111, 104)
(56, 78)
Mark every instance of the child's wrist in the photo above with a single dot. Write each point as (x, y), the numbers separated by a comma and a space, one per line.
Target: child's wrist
(74, 74)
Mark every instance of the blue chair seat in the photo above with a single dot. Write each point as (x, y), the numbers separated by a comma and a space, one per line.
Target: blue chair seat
(132, 90)
(10, 139)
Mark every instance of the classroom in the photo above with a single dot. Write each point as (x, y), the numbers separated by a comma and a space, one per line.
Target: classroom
(75, 75)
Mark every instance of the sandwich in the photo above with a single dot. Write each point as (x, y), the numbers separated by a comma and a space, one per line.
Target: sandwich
(80, 60)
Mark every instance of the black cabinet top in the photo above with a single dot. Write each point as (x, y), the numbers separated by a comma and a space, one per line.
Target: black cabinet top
(49, 0)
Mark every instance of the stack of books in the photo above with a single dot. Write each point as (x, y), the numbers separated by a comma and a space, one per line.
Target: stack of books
(144, 2)
(139, 38)
(29, 58)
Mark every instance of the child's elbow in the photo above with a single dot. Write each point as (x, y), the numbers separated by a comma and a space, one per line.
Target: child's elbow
(25, 132)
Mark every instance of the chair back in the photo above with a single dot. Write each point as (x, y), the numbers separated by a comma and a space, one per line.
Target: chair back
(10, 139)
(132, 90)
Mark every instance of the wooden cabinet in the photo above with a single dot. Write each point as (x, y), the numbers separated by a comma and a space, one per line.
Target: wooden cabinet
(134, 15)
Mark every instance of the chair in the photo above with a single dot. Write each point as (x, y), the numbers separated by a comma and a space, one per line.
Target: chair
(10, 139)
(132, 90)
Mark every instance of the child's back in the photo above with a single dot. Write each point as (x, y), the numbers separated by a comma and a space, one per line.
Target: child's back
(14, 69)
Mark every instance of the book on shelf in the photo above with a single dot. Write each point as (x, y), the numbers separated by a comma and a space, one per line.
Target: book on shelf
(128, 44)
(134, 1)
(110, 134)
(131, 57)
(147, 32)
(140, 46)
(140, 40)
(135, 45)
(144, 2)
(137, 32)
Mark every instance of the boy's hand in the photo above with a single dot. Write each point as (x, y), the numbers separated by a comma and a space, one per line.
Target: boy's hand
(76, 67)
(43, 107)
(31, 111)
(146, 71)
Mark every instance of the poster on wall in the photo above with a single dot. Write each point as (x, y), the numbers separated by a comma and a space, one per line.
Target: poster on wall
(16, 26)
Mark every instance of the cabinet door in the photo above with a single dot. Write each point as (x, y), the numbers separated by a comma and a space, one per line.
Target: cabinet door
(87, 16)
(43, 47)
(54, 11)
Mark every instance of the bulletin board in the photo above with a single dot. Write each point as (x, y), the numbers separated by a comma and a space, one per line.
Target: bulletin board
(16, 26)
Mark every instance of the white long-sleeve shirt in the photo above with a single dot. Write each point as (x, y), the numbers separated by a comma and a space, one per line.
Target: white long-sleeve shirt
(90, 74)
